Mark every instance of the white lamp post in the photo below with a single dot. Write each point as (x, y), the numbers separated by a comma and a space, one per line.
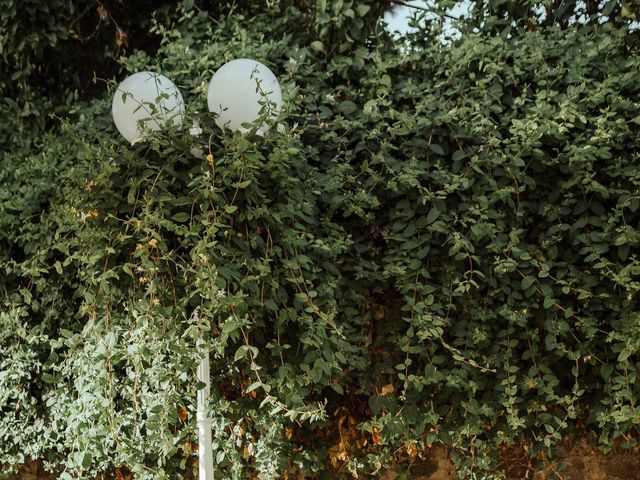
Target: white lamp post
(241, 92)
(205, 448)
(145, 102)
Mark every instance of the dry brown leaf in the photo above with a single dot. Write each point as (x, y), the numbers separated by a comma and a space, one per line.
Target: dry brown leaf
(387, 389)
(337, 454)
(102, 12)
(376, 435)
(121, 38)
(412, 450)
(377, 312)
(182, 413)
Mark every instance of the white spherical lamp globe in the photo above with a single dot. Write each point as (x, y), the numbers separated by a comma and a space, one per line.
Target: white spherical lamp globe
(144, 102)
(243, 91)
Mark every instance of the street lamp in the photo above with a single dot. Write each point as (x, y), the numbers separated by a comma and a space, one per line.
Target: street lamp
(240, 93)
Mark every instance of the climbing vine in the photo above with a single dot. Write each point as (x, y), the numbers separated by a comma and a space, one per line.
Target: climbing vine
(438, 244)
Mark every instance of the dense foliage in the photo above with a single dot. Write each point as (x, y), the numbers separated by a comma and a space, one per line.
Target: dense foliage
(438, 244)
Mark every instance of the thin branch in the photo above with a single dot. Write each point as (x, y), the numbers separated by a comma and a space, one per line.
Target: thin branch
(404, 4)
(418, 7)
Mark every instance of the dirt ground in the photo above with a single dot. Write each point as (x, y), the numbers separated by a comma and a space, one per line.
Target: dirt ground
(581, 461)
(575, 461)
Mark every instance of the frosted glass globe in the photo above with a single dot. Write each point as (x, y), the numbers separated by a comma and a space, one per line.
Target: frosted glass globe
(144, 102)
(242, 91)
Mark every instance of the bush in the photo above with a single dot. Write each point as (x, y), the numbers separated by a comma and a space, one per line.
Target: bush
(438, 245)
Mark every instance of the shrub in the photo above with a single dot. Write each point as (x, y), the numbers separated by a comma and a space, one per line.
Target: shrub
(438, 245)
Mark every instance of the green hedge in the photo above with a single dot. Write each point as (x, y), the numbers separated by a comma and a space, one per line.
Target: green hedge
(438, 245)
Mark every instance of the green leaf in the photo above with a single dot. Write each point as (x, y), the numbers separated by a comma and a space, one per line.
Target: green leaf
(527, 282)
(347, 107)
(243, 184)
(362, 9)
(230, 326)
(609, 6)
(458, 155)
(337, 388)
(253, 386)
(302, 297)
(436, 148)
(86, 460)
(241, 352)
(181, 217)
(625, 354)
(432, 216)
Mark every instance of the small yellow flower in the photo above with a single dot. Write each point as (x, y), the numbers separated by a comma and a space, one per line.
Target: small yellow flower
(210, 159)
(153, 243)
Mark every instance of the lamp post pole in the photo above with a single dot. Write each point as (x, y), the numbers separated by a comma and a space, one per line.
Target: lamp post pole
(204, 422)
